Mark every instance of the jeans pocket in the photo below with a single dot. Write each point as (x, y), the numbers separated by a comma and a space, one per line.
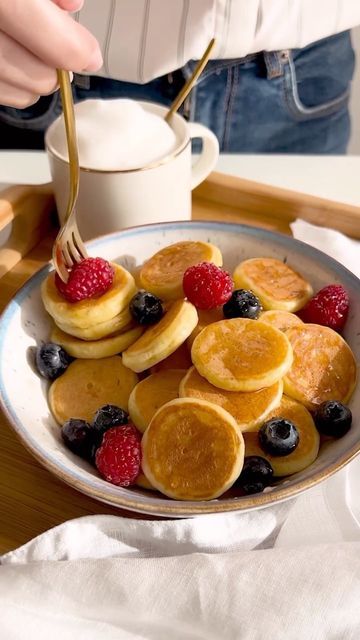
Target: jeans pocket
(317, 79)
(37, 117)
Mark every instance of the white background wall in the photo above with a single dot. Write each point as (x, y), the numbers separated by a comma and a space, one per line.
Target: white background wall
(355, 102)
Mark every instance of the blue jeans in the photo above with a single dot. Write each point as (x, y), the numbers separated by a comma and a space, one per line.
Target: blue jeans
(279, 102)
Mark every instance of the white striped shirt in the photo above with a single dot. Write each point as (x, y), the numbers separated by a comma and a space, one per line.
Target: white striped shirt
(143, 39)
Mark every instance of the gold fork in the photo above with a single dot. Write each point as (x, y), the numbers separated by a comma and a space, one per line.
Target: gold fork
(69, 247)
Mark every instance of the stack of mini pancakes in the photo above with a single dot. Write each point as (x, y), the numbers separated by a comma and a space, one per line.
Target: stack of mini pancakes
(210, 383)
(97, 327)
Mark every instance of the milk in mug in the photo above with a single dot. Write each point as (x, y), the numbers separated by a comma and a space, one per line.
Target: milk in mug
(117, 135)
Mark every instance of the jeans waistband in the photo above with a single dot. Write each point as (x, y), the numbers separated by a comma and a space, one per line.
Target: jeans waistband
(274, 62)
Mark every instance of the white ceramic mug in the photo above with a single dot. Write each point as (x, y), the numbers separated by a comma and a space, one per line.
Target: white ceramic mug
(159, 192)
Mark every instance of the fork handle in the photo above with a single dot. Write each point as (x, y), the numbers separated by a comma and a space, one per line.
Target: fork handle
(70, 128)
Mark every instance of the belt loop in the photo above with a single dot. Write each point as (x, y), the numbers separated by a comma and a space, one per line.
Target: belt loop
(274, 61)
(82, 82)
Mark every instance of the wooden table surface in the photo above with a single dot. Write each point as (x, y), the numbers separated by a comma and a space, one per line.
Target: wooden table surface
(31, 499)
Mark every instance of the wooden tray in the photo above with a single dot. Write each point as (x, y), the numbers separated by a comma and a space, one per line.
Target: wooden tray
(25, 218)
(31, 211)
(232, 199)
(32, 500)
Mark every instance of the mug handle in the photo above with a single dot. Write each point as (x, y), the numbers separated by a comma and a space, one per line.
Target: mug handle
(209, 155)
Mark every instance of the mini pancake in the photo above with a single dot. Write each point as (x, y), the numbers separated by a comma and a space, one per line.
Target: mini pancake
(87, 385)
(136, 275)
(241, 354)
(163, 273)
(152, 393)
(274, 282)
(180, 359)
(103, 348)
(309, 440)
(163, 338)
(122, 322)
(206, 317)
(282, 320)
(324, 367)
(192, 450)
(250, 409)
(93, 310)
(144, 483)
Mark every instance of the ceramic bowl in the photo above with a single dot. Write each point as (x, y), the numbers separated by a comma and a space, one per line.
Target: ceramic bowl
(25, 324)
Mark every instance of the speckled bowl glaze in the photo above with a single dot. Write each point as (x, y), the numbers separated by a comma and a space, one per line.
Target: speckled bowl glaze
(25, 324)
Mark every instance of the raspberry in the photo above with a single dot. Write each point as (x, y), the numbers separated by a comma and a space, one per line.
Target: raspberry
(118, 458)
(89, 278)
(329, 307)
(207, 286)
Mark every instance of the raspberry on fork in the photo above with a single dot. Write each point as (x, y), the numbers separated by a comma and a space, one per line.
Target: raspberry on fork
(118, 458)
(329, 307)
(207, 286)
(90, 278)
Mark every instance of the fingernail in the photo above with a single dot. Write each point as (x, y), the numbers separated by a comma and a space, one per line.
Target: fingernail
(95, 63)
(75, 5)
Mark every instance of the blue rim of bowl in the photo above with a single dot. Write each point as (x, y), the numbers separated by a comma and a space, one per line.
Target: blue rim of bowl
(123, 498)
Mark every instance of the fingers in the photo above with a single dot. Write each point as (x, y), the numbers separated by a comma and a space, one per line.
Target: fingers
(36, 38)
(69, 5)
(21, 69)
(11, 96)
(50, 34)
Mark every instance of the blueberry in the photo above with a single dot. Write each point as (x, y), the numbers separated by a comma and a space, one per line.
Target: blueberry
(80, 438)
(52, 360)
(109, 416)
(255, 487)
(242, 304)
(278, 437)
(256, 474)
(333, 418)
(146, 308)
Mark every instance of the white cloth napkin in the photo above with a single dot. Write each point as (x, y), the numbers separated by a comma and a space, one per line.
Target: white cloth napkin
(285, 572)
(335, 244)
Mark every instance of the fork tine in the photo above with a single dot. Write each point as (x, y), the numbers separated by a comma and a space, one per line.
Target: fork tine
(79, 243)
(69, 260)
(58, 261)
(72, 251)
(61, 267)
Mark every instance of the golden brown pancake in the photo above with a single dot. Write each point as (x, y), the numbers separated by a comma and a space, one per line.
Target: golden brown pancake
(103, 348)
(324, 367)
(163, 338)
(121, 322)
(93, 310)
(87, 385)
(250, 409)
(282, 320)
(309, 440)
(192, 450)
(206, 317)
(276, 284)
(180, 359)
(152, 393)
(241, 354)
(144, 483)
(163, 273)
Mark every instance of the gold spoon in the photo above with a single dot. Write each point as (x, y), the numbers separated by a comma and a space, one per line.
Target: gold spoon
(191, 81)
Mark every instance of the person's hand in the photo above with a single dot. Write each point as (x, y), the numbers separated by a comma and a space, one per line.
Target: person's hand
(36, 38)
